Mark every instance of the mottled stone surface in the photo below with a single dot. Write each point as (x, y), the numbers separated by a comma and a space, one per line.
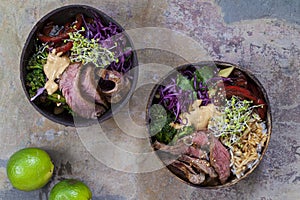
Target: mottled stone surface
(237, 10)
(265, 41)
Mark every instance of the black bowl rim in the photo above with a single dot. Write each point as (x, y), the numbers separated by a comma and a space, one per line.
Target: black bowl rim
(268, 117)
(110, 112)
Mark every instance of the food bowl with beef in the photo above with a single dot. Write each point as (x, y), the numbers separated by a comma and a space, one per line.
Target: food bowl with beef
(210, 123)
(78, 66)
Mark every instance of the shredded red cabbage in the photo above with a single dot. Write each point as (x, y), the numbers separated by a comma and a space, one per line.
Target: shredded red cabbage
(202, 91)
(176, 100)
(120, 65)
(38, 93)
(113, 38)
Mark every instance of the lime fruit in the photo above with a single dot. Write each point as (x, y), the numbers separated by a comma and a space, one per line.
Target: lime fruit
(70, 189)
(29, 169)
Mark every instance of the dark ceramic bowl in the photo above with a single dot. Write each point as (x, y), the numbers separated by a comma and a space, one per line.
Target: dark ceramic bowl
(252, 80)
(61, 16)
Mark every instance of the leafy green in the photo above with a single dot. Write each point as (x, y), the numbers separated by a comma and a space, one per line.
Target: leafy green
(57, 97)
(161, 128)
(205, 73)
(158, 118)
(38, 59)
(36, 77)
(184, 83)
(186, 130)
(35, 80)
(163, 131)
(60, 101)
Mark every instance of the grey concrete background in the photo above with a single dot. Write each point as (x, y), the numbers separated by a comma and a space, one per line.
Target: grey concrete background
(262, 36)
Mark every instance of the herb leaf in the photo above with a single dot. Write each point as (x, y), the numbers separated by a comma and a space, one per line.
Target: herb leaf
(186, 130)
(184, 83)
(205, 73)
(167, 132)
(158, 116)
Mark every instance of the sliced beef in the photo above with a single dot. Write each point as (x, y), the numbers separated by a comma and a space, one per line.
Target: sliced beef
(196, 145)
(187, 172)
(69, 84)
(220, 159)
(199, 164)
(179, 148)
(203, 153)
(200, 138)
(88, 85)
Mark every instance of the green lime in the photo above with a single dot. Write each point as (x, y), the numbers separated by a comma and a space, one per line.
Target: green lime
(29, 169)
(70, 189)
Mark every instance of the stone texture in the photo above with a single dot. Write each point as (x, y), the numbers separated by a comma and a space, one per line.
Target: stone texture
(181, 32)
(288, 10)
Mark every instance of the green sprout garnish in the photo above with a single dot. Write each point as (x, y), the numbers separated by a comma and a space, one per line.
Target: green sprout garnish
(232, 121)
(85, 50)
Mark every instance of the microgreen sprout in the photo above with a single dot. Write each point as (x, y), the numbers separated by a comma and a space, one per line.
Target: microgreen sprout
(86, 50)
(39, 58)
(42, 52)
(232, 121)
